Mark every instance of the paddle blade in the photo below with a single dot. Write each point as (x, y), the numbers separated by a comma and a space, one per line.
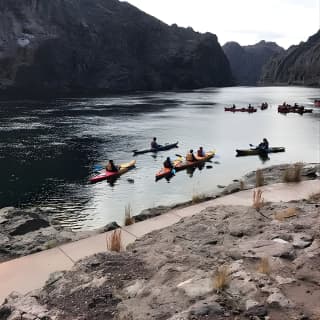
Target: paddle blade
(97, 167)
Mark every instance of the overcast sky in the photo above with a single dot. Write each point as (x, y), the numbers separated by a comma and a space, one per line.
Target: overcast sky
(286, 22)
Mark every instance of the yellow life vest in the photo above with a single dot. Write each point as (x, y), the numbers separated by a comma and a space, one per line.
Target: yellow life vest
(189, 157)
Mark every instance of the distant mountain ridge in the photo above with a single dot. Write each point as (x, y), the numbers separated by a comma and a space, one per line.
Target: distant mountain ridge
(92, 46)
(299, 65)
(247, 61)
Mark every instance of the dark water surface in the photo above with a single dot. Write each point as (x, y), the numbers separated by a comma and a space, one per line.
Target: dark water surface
(48, 148)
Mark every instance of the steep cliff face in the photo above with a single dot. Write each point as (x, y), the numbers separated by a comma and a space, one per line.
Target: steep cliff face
(83, 46)
(247, 61)
(298, 65)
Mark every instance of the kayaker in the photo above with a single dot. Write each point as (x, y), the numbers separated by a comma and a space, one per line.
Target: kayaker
(200, 152)
(111, 167)
(264, 145)
(190, 156)
(154, 144)
(168, 163)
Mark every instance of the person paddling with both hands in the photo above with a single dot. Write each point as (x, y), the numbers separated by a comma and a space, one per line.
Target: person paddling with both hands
(263, 146)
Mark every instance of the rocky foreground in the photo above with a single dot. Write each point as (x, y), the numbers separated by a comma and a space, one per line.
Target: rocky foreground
(230, 262)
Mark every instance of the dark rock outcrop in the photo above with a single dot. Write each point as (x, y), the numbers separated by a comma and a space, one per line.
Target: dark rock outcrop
(83, 46)
(299, 65)
(247, 61)
(26, 231)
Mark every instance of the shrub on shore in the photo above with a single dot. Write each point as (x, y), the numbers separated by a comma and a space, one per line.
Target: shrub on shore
(259, 178)
(264, 266)
(258, 201)
(284, 214)
(293, 173)
(198, 197)
(128, 219)
(114, 241)
(221, 279)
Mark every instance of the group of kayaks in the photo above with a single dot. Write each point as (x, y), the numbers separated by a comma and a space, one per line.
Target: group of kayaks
(249, 109)
(284, 108)
(124, 167)
(181, 164)
(287, 108)
(178, 164)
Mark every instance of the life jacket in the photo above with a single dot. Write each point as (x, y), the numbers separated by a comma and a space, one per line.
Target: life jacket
(200, 153)
(166, 164)
(189, 157)
(154, 145)
(111, 168)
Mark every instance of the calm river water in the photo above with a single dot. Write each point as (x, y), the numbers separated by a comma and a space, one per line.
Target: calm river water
(48, 148)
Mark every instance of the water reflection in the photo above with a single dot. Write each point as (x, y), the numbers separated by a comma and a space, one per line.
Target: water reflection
(48, 148)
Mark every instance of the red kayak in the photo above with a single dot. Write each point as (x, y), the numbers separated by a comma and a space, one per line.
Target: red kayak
(180, 165)
(124, 167)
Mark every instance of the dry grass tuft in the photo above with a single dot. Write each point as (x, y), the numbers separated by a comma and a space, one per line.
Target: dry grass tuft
(315, 197)
(264, 266)
(286, 213)
(258, 201)
(259, 178)
(114, 241)
(51, 244)
(128, 219)
(293, 173)
(221, 279)
(198, 197)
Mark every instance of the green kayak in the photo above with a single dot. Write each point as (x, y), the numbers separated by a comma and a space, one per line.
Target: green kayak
(257, 151)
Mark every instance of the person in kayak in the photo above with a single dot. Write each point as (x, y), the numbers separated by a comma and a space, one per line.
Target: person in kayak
(190, 156)
(200, 152)
(168, 164)
(154, 144)
(111, 167)
(264, 145)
